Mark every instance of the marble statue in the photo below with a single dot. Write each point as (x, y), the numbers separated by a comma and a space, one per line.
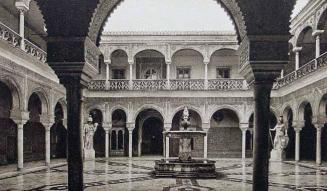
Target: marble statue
(89, 129)
(280, 141)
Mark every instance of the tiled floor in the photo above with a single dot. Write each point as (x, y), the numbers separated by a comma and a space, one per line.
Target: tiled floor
(122, 174)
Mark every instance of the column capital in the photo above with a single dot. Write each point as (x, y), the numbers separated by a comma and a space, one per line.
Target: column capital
(22, 5)
(167, 126)
(107, 126)
(319, 120)
(107, 62)
(297, 49)
(298, 124)
(168, 62)
(244, 126)
(130, 62)
(19, 116)
(206, 61)
(316, 33)
(206, 127)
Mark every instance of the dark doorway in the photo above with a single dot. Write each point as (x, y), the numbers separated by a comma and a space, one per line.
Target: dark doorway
(152, 138)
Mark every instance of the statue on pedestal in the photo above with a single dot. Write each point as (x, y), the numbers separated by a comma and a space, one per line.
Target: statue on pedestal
(280, 141)
(89, 129)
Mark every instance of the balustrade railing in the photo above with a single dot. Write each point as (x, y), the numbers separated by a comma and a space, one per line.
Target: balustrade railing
(9, 35)
(175, 84)
(149, 84)
(35, 51)
(306, 69)
(14, 39)
(227, 84)
(186, 84)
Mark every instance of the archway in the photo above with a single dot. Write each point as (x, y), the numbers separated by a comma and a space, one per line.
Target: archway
(272, 124)
(288, 122)
(222, 64)
(308, 133)
(187, 64)
(147, 135)
(150, 64)
(322, 25)
(34, 131)
(99, 134)
(119, 134)
(323, 113)
(8, 129)
(119, 66)
(307, 42)
(290, 66)
(58, 134)
(224, 135)
(195, 124)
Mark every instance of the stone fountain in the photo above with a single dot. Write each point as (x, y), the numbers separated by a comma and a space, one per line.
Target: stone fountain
(185, 166)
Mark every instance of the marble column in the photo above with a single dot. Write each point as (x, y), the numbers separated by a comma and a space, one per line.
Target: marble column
(206, 74)
(317, 34)
(282, 74)
(318, 143)
(117, 140)
(130, 142)
(167, 147)
(107, 74)
(244, 127)
(47, 145)
(262, 90)
(168, 74)
(20, 145)
(164, 144)
(130, 74)
(107, 142)
(205, 144)
(297, 141)
(297, 51)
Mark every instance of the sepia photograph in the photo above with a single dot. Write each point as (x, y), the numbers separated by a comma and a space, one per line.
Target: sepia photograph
(163, 95)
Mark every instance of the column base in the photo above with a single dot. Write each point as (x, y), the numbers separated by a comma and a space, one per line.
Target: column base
(20, 169)
(277, 155)
(89, 154)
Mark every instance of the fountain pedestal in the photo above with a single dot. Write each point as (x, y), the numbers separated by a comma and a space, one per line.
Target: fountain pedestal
(185, 166)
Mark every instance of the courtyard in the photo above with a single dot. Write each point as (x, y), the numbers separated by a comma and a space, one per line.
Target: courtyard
(123, 174)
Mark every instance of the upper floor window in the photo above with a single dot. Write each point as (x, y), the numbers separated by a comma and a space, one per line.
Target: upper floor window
(118, 73)
(223, 73)
(184, 73)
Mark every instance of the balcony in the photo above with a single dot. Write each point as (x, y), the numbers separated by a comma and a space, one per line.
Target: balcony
(15, 40)
(173, 84)
(310, 67)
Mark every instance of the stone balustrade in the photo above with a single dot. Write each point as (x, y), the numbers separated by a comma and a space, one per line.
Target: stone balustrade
(227, 84)
(9, 35)
(175, 85)
(306, 69)
(35, 51)
(14, 39)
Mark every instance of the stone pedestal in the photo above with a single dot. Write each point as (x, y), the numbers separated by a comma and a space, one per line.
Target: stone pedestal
(185, 150)
(89, 154)
(277, 155)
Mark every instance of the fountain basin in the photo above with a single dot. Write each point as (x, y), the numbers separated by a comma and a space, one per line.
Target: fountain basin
(185, 169)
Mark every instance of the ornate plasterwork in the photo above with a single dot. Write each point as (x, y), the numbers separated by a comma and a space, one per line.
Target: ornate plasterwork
(106, 7)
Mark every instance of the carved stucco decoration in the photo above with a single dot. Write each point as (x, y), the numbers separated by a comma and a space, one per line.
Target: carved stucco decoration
(106, 7)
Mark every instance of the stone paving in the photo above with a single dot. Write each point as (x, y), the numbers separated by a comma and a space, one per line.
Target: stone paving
(122, 174)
